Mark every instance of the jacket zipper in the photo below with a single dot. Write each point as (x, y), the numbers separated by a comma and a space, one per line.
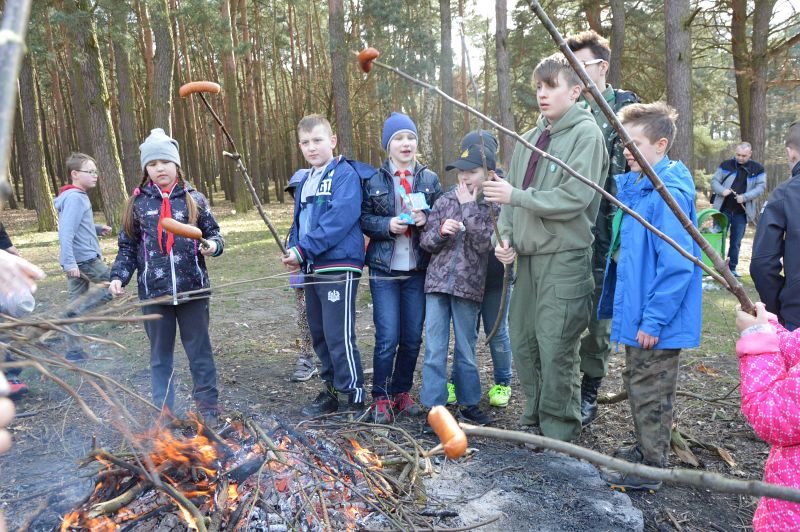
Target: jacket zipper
(174, 284)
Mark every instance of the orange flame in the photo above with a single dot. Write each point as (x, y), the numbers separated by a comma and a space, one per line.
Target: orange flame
(366, 456)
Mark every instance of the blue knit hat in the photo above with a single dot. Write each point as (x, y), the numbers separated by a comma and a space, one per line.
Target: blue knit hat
(159, 146)
(397, 123)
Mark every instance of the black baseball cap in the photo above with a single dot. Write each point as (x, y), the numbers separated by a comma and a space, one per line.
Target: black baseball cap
(471, 157)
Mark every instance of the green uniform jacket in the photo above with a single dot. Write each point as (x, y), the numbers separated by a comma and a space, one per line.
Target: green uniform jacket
(557, 212)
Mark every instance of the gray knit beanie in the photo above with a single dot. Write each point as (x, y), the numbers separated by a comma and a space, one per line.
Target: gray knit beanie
(158, 146)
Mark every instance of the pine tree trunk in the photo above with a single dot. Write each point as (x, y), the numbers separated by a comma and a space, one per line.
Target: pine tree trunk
(617, 42)
(447, 141)
(760, 66)
(341, 98)
(164, 64)
(32, 151)
(110, 183)
(679, 77)
(503, 81)
(741, 66)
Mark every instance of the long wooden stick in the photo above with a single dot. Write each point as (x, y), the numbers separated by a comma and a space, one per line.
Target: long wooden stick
(600, 190)
(698, 479)
(732, 284)
(12, 46)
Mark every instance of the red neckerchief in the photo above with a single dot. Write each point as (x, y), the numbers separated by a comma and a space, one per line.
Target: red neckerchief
(403, 174)
(166, 212)
(68, 187)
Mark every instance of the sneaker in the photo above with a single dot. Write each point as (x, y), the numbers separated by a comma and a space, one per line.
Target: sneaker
(475, 415)
(735, 274)
(76, 356)
(351, 411)
(405, 405)
(451, 394)
(381, 411)
(499, 395)
(629, 481)
(304, 371)
(325, 403)
(17, 388)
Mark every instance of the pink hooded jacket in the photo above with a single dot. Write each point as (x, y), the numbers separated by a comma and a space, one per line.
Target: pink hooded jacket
(770, 370)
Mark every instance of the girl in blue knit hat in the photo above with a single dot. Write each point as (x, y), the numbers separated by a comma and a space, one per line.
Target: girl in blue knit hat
(397, 265)
(168, 266)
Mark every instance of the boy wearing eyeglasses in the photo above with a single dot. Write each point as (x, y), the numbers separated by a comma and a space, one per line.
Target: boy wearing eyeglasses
(80, 255)
(593, 51)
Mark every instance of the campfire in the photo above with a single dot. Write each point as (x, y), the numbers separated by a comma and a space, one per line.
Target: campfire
(320, 475)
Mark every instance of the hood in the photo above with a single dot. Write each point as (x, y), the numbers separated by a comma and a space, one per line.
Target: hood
(575, 115)
(796, 169)
(673, 174)
(65, 192)
(363, 170)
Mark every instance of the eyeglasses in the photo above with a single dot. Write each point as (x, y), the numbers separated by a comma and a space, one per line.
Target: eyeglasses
(90, 172)
(591, 62)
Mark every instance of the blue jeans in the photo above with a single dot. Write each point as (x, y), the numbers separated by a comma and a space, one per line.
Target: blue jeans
(398, 311)
(500, 346)
(737, 223)
(789, 326)
(439, 310)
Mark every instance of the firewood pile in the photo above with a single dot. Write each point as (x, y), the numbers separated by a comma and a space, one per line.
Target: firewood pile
(324, 474)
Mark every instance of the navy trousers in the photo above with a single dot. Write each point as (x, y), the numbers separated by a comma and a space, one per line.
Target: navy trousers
(331, 310)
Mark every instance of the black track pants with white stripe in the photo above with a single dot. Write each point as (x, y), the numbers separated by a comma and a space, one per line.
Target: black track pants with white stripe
(331, 310)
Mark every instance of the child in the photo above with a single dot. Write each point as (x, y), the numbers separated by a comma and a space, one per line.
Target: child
(654, 292)
(500, 346)
(169, 265)
(458, 235)
(327, 243)
(80, 257)
(769, 361)
(306, 367)
(547, 218)
(775, 264)
(397, 266)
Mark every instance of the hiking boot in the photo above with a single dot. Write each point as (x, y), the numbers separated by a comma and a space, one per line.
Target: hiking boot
(381, 411)
(451, 394)
(499, 395)
(210, 418)
(76, 356)
(17, 388)
(325, 403)
(405, 405)
(473, 414)
(589, 387)
(629, 453)
(305, 369)
(629, 481)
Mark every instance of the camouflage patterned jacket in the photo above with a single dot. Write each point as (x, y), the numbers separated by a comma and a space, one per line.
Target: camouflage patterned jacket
(458, 262)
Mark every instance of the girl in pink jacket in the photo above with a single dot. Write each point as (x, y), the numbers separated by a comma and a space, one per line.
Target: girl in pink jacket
(769, 361)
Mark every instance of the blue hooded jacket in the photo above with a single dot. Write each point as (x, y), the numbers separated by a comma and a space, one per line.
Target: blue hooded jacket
(652, 287)
(333, 240)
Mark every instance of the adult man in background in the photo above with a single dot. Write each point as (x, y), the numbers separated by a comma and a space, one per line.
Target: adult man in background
(737, 183)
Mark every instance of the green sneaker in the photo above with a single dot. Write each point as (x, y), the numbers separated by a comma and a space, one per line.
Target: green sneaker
(451, 393)
(499, 395)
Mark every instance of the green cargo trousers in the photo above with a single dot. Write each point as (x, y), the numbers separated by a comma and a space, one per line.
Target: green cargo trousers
(596, 344)
(651, 380)
(549, 310)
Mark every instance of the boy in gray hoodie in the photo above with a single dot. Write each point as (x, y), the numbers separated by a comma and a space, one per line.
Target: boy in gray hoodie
(80, 255)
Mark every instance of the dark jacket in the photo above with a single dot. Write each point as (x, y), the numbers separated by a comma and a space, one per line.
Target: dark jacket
(778, 237)
(379, 205)
(159, 274)
(333, 240)
(652, 287)
(458, 262)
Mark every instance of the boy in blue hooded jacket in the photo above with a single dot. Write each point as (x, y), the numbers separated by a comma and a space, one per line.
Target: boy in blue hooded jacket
(654, 293)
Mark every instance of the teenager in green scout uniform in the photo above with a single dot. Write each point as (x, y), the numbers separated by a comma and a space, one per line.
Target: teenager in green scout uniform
(546, 219)
(593, 51)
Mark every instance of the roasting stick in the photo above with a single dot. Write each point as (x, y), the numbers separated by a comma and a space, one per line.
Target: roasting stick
(199, 88)
(451, 433)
